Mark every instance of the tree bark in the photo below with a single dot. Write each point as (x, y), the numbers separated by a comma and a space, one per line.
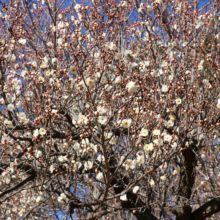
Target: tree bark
(187, 178)
(206, 210)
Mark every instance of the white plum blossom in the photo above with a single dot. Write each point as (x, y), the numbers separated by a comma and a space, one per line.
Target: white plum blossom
(61, 159)
(126, 123)
(101, 110)
(22, 41)
(167, 138)
(39, 198)
(163, 178)
(61, 198)
(156, 132)
(144, 132)
(103, 120)
(174, 145)
(148, 147)
(88, 165)
(218, 104)
(100, 176)
(77, 7)
(38, 153)
(36, 133)
(73, 69)
(10, 107)
(42, 131)
(140, 160)
(124, 198)
(112, 46)
(164, 88)
(152, 183)
(90, 82)
(169, 124)
(101, 158)
(54, 60)
(135, 189)
(117, 80)
(178, 101)
(129, 164)
(131, 87)
(175, 172)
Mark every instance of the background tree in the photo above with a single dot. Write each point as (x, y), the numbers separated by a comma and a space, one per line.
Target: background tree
(109, 106)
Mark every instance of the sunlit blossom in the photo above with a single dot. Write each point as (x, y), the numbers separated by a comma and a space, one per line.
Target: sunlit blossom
(126, 123)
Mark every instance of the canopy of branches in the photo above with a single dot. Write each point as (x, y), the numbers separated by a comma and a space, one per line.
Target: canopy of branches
(109, 108)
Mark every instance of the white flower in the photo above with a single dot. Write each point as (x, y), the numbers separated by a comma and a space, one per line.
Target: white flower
(152, 183)
(42, 131)
(200, 67)
(124, 4)
(61, 198)
(178, 101)
(54, 60)
(167, 138)
(131, 87)
(77, 7)
(164, 64)
(36, 133)
(112, 141)
(51, 168)
(140, 160)
(60, 41)
(103, 120)
(187, 72)
(164, 88)
(5, 173)
(10, 107)
(101, 110)
(169, 124)
(38, 153)
(144, 132)
(174, 145)
(49, 44)
(101, 158)
(99, 176)
(34, 64)
(22, 41)
(135, 189)
(117, 80)
(39, 198)
(175, 172)
(148, 147)
(43, 65)
(199, 23)
(73, 69)
(156, 132)
(218, 105)
(8, 123)
(163, 178)
(81, 119)
(112, 46)
(129, 164)
(61, 159)
(123, 198)
(126, 123)
(117, 56)
(22, 116)
(90, 82)
(158, 142)
(88, 165)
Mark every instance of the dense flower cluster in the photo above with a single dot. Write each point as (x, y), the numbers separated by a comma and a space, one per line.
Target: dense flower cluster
(99, 108)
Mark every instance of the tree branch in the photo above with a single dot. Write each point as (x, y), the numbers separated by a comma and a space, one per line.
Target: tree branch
(209, 208)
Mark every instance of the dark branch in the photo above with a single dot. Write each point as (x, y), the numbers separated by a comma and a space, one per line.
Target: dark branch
(209, 208)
